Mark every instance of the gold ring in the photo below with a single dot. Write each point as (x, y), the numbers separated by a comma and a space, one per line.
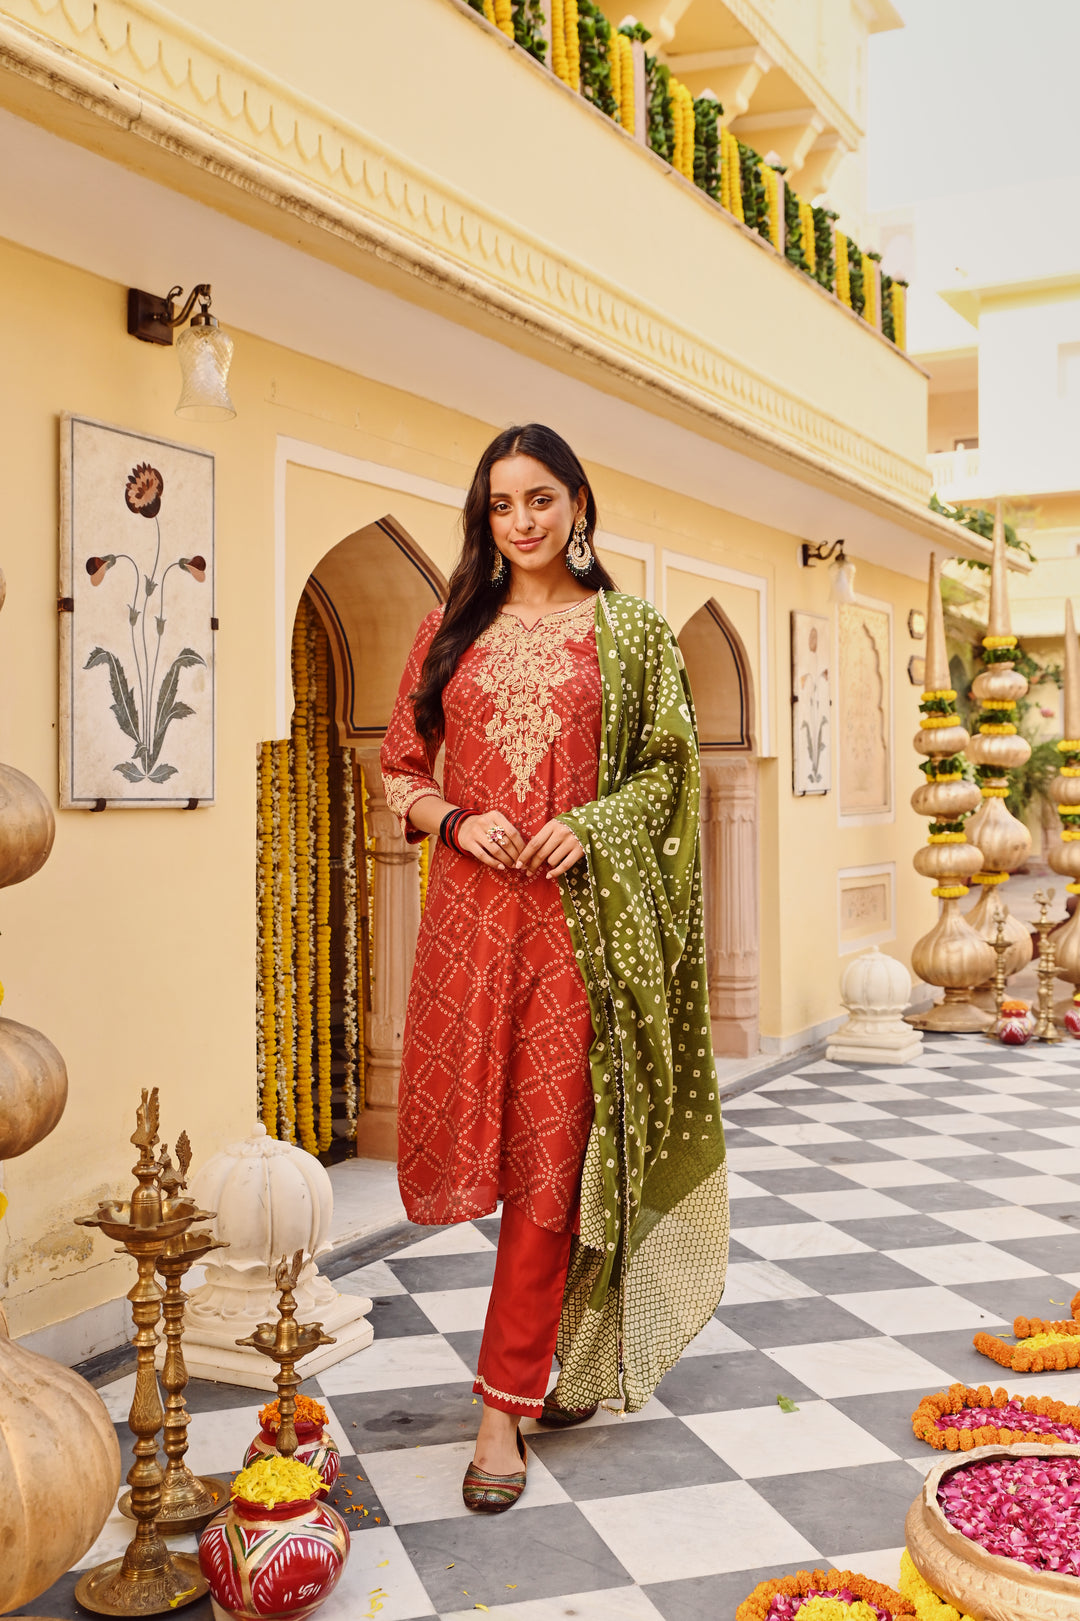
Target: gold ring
(497, 835)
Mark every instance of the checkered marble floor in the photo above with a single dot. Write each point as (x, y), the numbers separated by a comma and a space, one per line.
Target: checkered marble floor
(880, 1217)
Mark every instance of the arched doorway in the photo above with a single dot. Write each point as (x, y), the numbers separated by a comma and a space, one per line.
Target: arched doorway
(722, 684)
(340, 892)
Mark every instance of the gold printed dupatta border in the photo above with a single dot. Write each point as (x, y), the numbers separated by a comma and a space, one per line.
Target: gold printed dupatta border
(647, 1271)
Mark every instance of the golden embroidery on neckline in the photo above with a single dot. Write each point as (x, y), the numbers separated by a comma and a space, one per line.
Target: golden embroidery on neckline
(519, 670)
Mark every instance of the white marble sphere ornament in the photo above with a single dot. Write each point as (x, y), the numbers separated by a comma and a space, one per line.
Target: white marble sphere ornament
(875, 989)
(272, 1199)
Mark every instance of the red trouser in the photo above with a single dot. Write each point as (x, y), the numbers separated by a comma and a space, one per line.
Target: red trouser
(522, 1323)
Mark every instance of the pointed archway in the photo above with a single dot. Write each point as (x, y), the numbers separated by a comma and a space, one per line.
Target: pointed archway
(722, 683)
(340, 891)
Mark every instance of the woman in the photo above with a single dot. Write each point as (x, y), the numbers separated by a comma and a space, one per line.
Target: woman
(557, 1049)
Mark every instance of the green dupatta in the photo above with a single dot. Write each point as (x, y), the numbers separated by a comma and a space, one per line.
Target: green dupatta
(647, 1271)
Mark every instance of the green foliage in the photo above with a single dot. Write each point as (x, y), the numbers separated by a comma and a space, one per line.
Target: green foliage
(888, 319)
(529, 27)
(794, 247)
(635, 30)
(825, 271)
(856, 279)
(1032, 781)
(594, 41)
(660, 119)
(755, 201)
(980, 522)
(707, 145)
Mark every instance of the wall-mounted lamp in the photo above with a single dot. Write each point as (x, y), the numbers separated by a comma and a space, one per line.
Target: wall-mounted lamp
(842, 588)
(204, 351)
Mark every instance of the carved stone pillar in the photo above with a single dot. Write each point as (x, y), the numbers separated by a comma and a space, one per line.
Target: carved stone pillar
(395, 923)
(729, 853)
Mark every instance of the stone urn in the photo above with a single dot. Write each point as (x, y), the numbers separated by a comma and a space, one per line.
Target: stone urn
(280, 1562)
(33, 1087)
(315, 1446)
(875, 989)
(272, 1199)
(59, 1471)
(976, 1582)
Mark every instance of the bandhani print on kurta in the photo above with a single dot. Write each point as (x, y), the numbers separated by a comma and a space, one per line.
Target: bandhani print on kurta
(495, 1098)
(648, 1270)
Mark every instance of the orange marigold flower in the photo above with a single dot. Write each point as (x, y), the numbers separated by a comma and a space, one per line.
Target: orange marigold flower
(308, 1411)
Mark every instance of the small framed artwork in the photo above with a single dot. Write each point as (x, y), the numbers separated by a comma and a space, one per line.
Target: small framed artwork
(811, 700)
(137, 620)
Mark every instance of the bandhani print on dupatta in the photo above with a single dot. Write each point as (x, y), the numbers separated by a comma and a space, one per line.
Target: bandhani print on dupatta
(647, 1271)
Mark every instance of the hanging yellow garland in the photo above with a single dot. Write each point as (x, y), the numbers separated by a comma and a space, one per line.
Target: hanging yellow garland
(870, 287)
(898, 296)
(772, 197)
(504, 17)
(573, 43)
(305, 1118)
(558, 42)
(731, 176)
(283, 907)
(843, 273)
(268, 1099)
(489, 10)
(352, 954)
(627, 108)
(322, 888)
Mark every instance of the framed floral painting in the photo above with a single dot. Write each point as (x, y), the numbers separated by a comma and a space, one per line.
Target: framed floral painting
(811, 700)
(137, 620)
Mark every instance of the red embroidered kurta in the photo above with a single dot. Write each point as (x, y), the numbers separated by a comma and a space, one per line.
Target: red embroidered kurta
(496, 1101)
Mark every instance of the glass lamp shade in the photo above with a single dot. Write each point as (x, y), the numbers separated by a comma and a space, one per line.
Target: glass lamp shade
(205, 355)
(843, 582)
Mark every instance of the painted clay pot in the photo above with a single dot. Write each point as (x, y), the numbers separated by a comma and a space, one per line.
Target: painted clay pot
(1015, 1031)
(33, 1087)
(281, 1562)
(315, 1447)
(59, 1471)
(27, 827)
(1072, 1021)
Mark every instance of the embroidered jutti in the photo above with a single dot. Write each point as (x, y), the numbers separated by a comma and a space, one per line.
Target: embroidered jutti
(647, 1271)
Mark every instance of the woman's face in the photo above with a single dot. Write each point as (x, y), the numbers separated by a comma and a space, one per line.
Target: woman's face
(531, 513)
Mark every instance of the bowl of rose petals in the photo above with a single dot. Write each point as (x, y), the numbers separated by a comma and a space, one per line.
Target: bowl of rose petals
(997, 1533)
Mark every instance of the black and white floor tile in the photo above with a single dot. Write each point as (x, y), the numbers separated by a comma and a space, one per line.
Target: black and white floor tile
(880, 1218)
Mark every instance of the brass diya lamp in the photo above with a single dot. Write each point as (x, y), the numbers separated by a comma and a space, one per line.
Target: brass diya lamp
(1046, 1029)
(287, 1342)
(952, 955)
(147, 1579)
(188, 1502)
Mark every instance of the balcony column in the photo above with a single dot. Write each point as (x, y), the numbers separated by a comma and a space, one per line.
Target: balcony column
(395, 924)
(729, 851)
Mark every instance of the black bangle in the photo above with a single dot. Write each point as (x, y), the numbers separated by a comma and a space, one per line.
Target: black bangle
(449, 825)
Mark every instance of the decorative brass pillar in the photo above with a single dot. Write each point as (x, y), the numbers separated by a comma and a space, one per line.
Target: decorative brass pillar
(148, 1579)
(952, 955)
(1002, 839)
(395, 926)
(729, 859)
(1065, 858)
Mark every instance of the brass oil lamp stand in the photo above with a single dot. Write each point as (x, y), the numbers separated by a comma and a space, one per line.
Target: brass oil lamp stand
(1046, 1029)
(1002, 946)
(188, 1502)
(147, 1579)
(286, 1342)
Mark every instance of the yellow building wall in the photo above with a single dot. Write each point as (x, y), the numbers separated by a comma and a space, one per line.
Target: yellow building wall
(133, 949)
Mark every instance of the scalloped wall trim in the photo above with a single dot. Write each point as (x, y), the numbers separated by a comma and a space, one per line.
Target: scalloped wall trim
(195, 99)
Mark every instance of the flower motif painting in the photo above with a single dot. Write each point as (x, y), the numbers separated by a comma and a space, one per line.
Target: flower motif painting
(138, 681)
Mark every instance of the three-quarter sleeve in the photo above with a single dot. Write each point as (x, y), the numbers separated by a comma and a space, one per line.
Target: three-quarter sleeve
(407, 760)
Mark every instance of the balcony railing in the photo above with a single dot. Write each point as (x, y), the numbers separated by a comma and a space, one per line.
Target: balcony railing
(953, 473)
(611, 68)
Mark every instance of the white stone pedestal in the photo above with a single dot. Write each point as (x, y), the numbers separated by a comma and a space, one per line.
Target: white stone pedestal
(271, 1199)
(875, 990)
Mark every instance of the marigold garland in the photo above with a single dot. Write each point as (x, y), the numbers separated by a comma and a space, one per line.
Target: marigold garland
(924, 1420)
(283, 952)
(809, 242)
(305, 1116)
(926, 1604)
(573, 42)
(1041, 1347)
(504, 17)
(870, 309)
(322, 889)
(843, 270)
(898, 299)
(731, 176)
(352, 1009)
(267, 1057)
(773, 184)
(623, 54)
(756, 1606)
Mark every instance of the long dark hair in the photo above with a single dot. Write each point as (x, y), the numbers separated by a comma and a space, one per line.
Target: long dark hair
(473, 601)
